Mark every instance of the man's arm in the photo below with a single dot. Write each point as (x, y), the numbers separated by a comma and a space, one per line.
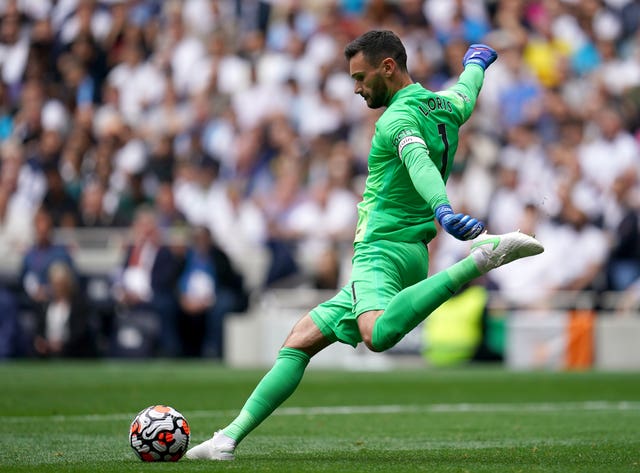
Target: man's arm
(465, 92)
(424, 174)
(428, 182)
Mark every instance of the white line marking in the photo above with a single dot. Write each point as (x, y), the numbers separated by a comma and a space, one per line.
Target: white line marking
(360, 410)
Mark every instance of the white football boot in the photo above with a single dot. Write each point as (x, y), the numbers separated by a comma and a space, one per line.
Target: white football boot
(491, 251)
(218, 447)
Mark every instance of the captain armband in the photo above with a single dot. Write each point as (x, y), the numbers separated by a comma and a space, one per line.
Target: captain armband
(408, 140)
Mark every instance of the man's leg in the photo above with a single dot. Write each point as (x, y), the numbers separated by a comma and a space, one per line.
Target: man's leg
(304, 341)
(382, 330)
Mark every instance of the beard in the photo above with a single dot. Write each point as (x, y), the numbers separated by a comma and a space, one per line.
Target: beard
(379, 93)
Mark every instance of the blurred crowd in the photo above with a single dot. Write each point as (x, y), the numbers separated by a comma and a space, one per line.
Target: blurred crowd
(235, 122)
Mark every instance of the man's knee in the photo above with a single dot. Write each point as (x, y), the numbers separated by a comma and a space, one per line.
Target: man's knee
(366, 325)
(368, 342)
(379, 342)
(306, 336)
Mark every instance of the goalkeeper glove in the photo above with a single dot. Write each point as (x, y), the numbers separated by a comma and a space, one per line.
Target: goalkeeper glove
(479, 54)
(461, 226)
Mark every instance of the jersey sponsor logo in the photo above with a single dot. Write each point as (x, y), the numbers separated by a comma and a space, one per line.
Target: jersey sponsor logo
(464, 97)
(408, 140)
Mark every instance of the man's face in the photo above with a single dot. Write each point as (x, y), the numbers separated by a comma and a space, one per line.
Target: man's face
(43, 226)
(369, 81)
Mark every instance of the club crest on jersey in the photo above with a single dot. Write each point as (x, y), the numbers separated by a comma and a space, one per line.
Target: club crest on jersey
(401, 136)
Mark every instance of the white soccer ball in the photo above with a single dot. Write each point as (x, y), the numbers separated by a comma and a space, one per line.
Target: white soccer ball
(159, 433)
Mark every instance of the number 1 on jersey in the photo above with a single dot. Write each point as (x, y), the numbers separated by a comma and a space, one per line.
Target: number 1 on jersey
(442, 131)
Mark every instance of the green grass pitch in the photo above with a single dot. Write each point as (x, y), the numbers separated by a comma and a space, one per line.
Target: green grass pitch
(65, 416)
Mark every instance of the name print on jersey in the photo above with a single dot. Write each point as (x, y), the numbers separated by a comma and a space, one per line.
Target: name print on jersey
(435, 103)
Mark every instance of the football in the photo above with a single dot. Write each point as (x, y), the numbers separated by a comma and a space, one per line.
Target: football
(159, 433)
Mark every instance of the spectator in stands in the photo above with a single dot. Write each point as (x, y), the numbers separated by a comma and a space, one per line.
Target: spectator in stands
(179, 50)
(209, 288)
(92, 211)
(524, 150)
(327, 118)
(79, 88)
(38, 259)
(131, 199)
(92, 58)
(100, 163)
(165, 205)
(239, 227)
(622, 221)
(586, 246)
(196, 185)
(63, 323)
(147, 279)
(536, 283)
(28, 117)
(78, 144)
(162, 161)
(615, 74)
(507, 202)
(14, 43)
(83, 17)
(139, 83)
(323, 219)
(16, 208)
(458, 19)
(58, 202)
(512, 93)
(169, 117)
(613, 140)
(278, 207)
(545, 53)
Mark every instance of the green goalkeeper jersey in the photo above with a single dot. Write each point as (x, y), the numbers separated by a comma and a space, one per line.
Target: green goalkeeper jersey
(411, 154)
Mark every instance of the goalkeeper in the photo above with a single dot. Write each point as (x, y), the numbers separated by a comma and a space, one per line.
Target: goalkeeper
(389, 292)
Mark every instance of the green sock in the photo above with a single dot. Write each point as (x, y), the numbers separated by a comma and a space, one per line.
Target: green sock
(274, 388)
(414, 304)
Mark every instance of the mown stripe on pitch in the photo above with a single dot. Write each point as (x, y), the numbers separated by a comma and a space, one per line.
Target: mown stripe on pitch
(360, 410)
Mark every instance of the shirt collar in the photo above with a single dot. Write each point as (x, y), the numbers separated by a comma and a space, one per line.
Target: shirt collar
(408, 90)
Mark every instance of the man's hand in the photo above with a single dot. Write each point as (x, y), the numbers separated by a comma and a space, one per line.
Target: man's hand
(479, 54)
(461, 226)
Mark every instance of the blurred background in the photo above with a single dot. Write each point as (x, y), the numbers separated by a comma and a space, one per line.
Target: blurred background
(180, 178)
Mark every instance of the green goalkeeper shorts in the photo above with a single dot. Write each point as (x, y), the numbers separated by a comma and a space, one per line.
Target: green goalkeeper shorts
(381, 269)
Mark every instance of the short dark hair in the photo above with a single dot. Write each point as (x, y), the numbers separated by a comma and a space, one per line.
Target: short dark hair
(377, 45)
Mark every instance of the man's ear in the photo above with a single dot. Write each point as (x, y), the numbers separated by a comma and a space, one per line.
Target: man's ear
(388, 67)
